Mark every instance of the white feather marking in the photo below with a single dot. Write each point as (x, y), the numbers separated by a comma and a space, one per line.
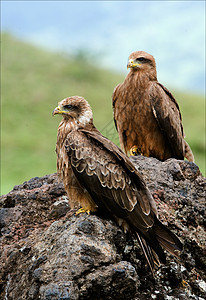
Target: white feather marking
(85, 118)
(154, 112)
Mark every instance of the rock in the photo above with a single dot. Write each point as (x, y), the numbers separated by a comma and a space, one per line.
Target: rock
(47, 252)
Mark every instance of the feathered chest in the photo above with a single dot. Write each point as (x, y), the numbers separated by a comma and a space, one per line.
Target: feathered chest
(136, 85)
(63, 163)
(62, 159)
(133, 99)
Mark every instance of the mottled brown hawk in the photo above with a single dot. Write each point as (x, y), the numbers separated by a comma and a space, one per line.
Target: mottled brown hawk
(146, 114)
(98, 175)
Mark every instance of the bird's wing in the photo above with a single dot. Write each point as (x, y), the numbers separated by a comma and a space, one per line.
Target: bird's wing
(167, 113)
(122, 110)
(115, 185)
(107, 173)
(114, 99)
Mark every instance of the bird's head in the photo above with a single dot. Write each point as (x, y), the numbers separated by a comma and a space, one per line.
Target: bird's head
(140, 60)
(75, 109)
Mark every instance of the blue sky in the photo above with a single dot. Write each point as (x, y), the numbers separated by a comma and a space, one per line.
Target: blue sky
(172, 31)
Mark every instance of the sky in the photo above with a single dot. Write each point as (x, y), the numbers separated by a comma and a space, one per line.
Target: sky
(172, 31)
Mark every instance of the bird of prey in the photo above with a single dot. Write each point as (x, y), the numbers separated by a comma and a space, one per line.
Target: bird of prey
(98, 175)
(146, 114)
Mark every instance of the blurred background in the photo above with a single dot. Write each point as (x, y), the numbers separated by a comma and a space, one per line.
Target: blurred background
(55, 49)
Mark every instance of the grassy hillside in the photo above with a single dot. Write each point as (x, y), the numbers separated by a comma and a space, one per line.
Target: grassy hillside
(33, 81)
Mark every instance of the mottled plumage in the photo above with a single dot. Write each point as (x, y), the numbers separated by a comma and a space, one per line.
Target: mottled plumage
(98, 175)
(146, 114)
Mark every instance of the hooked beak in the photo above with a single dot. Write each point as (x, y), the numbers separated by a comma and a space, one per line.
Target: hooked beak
(57, 111)
(131, 64)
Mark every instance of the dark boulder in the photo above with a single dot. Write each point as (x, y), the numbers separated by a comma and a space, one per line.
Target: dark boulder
(49, 253)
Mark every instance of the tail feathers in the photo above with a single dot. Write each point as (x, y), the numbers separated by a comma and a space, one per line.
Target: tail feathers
(173, 249)
(188, 153)
(151, 257)
(168, 240)
(160, 237)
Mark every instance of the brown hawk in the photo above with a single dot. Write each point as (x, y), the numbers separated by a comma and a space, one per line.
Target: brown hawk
(146, 114)
(98, 175)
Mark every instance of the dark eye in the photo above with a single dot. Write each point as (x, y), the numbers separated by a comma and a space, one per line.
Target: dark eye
(68, 106)
(141, 59)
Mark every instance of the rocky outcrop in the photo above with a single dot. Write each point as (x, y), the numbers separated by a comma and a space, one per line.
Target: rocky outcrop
(49, 253)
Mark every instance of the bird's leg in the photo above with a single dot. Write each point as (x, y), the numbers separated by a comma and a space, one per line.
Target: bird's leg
(184, 283)
(87, 205)
(134, 151)
(83, 210)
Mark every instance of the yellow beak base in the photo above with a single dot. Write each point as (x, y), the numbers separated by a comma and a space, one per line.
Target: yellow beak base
(131, 64)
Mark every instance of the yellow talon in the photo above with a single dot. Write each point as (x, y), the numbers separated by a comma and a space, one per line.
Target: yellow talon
(184, 283)
(134, 151)
(83, 210)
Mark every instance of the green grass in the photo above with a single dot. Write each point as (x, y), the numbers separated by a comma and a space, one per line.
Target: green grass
(34, 80)
(193, 114)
